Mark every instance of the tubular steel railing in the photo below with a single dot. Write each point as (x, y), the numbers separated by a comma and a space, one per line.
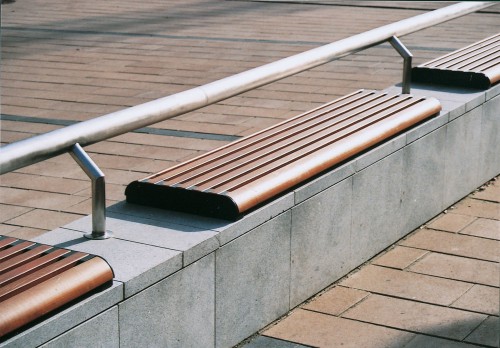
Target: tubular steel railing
(26, 152)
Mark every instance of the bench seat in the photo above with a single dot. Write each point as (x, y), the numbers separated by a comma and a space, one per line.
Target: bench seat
(36, 279)
(235, 178)
(474, 66)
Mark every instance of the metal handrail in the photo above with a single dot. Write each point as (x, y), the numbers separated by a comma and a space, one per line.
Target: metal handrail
(29, 151)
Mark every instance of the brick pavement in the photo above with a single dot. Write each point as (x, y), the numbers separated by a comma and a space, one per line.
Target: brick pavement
(437, 287)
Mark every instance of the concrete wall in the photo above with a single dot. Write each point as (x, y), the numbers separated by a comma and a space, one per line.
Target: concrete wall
(186, 281)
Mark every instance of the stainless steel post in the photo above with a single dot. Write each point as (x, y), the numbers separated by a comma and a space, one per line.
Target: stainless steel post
(407, 57)
(98, 193)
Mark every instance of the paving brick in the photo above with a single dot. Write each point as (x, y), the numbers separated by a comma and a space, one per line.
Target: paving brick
(400, 257)
(490, 193)
(454, 244)
(8, 212)
(336, 300)
(485, 228)
(406, 285)
(480, 298)
(36, 199)
(5, 229)
(416, 317)
(458, 268)
(23, 232)
(43, 219)
(451, 222)
(487, 333)
(474, 207)
(424, 341)
(43, 183)
(321, 330)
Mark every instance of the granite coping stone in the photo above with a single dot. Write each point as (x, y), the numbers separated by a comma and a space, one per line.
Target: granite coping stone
(470, 97)
(194, 242)
(68, 318)
(125, 257)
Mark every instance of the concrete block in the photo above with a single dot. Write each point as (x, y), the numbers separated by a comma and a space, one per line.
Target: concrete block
(233, 230)
(126, 258)
(67, 319)
(193, 242)
(252, 281)
(376, 204)
(461, 158)
(324, 181)
(380, 151)
(100, 331)
(176, 312)
(489, 157)
(320, 241)
(423, 180)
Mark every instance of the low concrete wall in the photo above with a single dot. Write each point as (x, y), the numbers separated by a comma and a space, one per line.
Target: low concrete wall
(188, 281)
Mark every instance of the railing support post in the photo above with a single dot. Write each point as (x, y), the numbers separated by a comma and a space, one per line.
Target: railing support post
(98, 193)
(407, 56)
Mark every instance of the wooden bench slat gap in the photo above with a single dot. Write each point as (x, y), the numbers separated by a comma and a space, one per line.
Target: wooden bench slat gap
(221, 156)
(39, 276)
(228, 187)
(23, 258)
(273, 144)
(32, 266)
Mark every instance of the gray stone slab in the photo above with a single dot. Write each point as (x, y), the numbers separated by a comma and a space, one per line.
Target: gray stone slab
(128, 259)
(252, 281)
(100, 331)
(167, 216)
(462, 156)
(320, 241)
(194, 242)
(489, 157)
(67, 319)
(376, 204)
(255, 218)
(470, 97)
(423, 180)
(493, 92)
(324, 181)
(175, 312)
(379, 152)
(426, 127)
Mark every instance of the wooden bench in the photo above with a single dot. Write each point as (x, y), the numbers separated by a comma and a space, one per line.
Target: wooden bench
(240, 176)
(36, 279)
(474, 66)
